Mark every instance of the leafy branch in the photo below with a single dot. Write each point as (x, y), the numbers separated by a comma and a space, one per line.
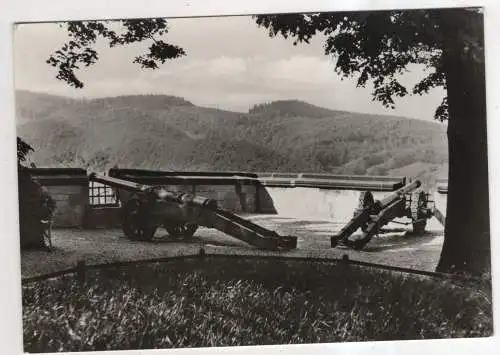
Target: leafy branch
(80, 49)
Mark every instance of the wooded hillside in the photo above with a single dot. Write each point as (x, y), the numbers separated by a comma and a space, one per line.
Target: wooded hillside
(165, 132)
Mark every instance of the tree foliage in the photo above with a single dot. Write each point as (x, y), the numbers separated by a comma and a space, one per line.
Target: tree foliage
(80, 49)
(375, 46)
(378, 46)
(23, 150)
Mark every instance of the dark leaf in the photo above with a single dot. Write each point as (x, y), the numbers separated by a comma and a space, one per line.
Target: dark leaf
(23, 149)
(442, 111)
(80, 50)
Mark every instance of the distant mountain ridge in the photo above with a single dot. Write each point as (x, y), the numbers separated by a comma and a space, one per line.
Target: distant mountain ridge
(171, 133)
(293, 108)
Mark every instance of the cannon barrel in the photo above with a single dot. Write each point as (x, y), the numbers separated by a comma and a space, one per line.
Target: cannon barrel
(374, 214)
(135, 187)
(386, 201)
(159, 191)
(118, 183)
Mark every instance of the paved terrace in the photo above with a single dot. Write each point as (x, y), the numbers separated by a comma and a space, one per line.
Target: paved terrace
(394, 247)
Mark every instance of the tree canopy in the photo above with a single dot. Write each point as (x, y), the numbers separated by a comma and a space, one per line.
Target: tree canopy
(375, 46)
(378, 46)
(23, 150)
(80, 49)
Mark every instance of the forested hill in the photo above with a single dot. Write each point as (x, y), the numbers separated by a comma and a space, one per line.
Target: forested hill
(166, 132)
(292, 108)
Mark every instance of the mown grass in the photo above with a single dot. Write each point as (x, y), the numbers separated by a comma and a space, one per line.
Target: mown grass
(229, 302)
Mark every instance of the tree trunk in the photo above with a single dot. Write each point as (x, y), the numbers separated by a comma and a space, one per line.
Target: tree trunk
(466, 245)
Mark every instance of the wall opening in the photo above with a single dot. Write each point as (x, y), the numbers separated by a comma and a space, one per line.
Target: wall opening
(101, 195)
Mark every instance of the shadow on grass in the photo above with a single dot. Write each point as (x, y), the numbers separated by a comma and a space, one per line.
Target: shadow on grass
(237, 301)
(399, 241)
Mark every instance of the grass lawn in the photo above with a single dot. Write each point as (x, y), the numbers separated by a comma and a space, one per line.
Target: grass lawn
(229, 302)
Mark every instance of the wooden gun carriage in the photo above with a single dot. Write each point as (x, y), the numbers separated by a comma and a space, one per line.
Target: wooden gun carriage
(371, 215)
(146, 208)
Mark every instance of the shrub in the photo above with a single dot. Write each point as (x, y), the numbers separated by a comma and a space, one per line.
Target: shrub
(35, 205)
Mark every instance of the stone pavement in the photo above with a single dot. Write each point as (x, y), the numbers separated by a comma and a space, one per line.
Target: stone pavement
(393, 247)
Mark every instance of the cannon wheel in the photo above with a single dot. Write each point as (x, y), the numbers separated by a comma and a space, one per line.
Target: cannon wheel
(365, 200)
(417, 209)
(184, 230)
(134, 222)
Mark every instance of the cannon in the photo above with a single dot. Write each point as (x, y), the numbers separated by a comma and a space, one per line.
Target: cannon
(371, 215)
(148, 208)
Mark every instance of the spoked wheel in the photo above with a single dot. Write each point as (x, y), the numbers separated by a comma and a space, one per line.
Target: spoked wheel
(365, 200)
(135, 222)
(180, 230)
(418, 208)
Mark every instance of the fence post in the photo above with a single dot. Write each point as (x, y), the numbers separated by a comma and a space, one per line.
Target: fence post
(81, 272)
(344, 263)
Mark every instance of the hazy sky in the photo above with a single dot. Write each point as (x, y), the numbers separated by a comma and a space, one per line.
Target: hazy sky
(230, 64)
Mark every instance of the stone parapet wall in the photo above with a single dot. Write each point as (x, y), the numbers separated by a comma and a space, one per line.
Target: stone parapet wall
(325, 196)
(70, 190)
(442, 186)
(251, 192)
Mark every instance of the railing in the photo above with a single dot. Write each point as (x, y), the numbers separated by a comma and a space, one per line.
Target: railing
(81, 267)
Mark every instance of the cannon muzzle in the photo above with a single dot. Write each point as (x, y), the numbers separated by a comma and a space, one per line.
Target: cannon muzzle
(199, 201)
(118, 183)
(386, 201)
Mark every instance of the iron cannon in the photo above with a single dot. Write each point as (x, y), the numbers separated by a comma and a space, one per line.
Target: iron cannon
(147, 208)
(371, 214)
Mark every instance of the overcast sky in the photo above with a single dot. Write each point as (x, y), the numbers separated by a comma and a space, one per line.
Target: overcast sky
(230, 63)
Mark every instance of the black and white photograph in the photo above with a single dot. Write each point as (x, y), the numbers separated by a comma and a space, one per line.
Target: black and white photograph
(270, 178)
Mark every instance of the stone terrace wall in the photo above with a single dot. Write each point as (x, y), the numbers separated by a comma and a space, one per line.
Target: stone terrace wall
(235, 191)
(70, 190)
(253, 192)
(441, 194)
